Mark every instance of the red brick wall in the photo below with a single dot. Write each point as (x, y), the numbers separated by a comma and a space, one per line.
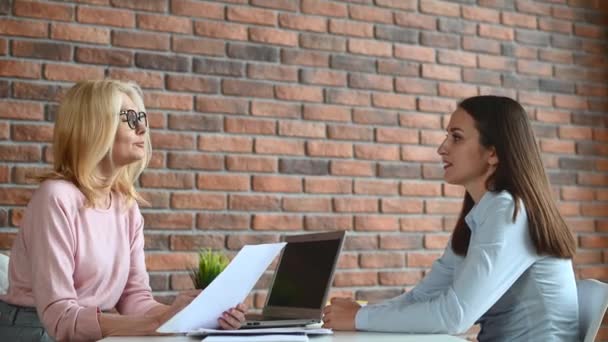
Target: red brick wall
(281, 116)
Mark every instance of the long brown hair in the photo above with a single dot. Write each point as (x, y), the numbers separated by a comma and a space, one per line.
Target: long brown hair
(503, 124)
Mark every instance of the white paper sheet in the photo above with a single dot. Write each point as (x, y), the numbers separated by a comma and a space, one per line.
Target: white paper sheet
(226, 291)
(258, 338)
(245, 332)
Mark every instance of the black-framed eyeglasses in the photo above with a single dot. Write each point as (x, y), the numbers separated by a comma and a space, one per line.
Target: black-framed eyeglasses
(133, 118)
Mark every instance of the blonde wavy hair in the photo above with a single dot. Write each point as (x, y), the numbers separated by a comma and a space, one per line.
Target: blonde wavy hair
(84, 133)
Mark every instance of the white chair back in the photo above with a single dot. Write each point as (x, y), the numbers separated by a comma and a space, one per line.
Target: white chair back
(592, 303)
(3, 273)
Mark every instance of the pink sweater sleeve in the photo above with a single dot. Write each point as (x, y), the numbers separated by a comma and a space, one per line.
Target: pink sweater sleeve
(137, 295)
(51, 250)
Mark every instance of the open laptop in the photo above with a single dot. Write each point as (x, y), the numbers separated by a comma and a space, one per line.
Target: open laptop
(301, 282)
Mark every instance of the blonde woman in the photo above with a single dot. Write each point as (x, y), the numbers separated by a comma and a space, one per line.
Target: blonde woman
(80, 248)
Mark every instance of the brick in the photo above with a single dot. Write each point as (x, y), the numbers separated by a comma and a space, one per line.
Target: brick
(221, 30)
(591, 90)
(436, 241)
(329, 149)
(439, 40)
(145, 79)
(391, 33)
(400, 278)
(73, 73)
(399, 4)
(382, 260)
(15, 196)
(170, 261)
(20, 153)
(320, 185)
(459, 91)
(287, 5)
(322, 42)
(303, 166)
(105, 16)
(43, 50)
(323, 8)
(442, 206)
(570, 102)
(303, 22)
(533, 37)
(23, 28)
(375, 117)
(398, 171)
(415, 53)
(535, 99)
(587, 31)
(419, 153)
(184, 200)
(275, 109)
(497, 63)
(251, 164)
(439, 8)
(80, 33)
(198, 46)
(276, 184)
(415, 86)
(277, 222)
(305, 204)
(24, 132)
(23, 174)
(174, 141)
(456, 26)
(457, 58)
(379, 152)
(490, 46)
(104, 56)
(35, 9)
(417, 21)
(370, 47)
(519, 51)
(192, 84)
(373, 82)
(355, 205)
(496, 32)
(434, 138)
(195, 243)
(323, 77)
(306, 58)
(252, 16)
(141, 40)
(167, 180)
(350, 28)
(218, 67)
(366, 278)
(168, 101)
(437, 105)
(552, 25)
(273, 36)
(352, 168)
(302, 129)
(195, 122)
(481, 76)
(168, 220)
(278, 146)
(401, 206)
(400, 68)
(32, 91)
(367, 242)
(576, 194)
(21, 69)
(247, 88)
(145, 5)
(400, 242)
(518, 20)
(373, 14)
(162, 62)
(577, 133)
(236, 242)
(393, 101)
(376, 187)
(420, 224)
(197, 161)
(421, 259)
(347, 132)
(556, 146)
(441, 72)
(553, 116)
(418, 188)
(253, 52)
(534, 68)
(326, 113)
(299, 93)
(326, 223)
(216, 221)
(396, 135)
(164, 23)
(254, 203)
(376, 223)
(249, 125)
(200, 9)
(223, 182)
(272, 72)
(357, 64)
(482, 14)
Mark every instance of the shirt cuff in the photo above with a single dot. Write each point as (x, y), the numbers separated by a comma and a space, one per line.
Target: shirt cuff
(90, 320)
(362, 319)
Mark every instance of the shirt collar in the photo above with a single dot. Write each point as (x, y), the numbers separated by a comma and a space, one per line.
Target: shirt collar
(479, 210)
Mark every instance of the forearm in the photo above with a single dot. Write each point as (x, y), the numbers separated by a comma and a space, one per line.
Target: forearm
(157, 310)
(124, 325)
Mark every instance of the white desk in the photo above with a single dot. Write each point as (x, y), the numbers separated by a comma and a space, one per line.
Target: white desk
(340, 336)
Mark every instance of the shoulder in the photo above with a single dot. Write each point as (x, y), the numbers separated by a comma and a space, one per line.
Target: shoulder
(61, 192)
(499, 205)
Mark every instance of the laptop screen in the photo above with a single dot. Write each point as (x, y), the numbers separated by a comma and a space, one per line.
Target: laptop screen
(303, 274)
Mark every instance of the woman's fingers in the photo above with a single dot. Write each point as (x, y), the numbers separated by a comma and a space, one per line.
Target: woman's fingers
(231, 321)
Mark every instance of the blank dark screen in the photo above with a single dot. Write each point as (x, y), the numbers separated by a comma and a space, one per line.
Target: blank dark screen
(303, 274)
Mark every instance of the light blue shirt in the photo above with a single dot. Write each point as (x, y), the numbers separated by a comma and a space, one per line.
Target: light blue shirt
(502, 283)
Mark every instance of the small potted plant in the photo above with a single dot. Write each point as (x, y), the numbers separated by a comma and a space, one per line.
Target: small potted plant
(210, 265)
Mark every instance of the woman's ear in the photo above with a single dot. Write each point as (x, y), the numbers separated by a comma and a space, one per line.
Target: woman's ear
(493, 159)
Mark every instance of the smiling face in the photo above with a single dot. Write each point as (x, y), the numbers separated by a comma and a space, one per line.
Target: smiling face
(465, 161)
(129, 144)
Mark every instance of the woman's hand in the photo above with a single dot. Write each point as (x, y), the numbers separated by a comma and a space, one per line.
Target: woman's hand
(181, 301)
(340, 314)
(232, 319)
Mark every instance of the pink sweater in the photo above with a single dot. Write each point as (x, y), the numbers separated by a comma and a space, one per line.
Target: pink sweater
(69, 261)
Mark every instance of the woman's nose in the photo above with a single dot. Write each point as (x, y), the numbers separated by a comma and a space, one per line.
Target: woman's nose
(441, 149)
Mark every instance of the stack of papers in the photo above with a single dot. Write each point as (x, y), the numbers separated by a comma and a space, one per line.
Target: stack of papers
(263, 334)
